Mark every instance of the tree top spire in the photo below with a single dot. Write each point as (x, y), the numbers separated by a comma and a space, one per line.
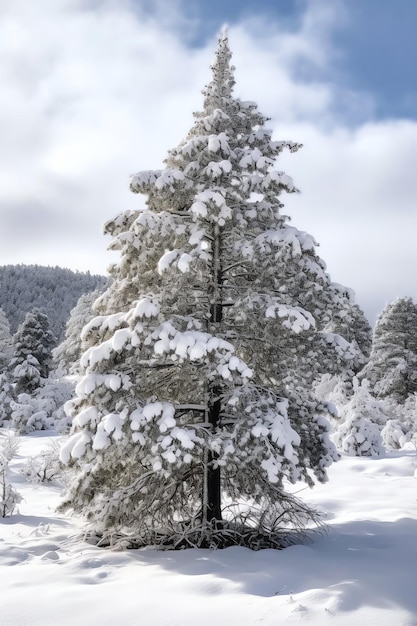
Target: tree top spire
(222, 83)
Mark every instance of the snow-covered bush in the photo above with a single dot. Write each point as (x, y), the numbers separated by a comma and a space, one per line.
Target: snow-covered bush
(26, 415)
(359, 436)
(9, 445)
(361, 422)
(401, 427)
(52, 397)
(395, 434)
(43, 410)
(45, 467)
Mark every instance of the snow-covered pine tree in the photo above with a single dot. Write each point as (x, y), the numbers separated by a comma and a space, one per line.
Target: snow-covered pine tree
(29, 399)
(194, 401)
(32, 354)
(5, 342)
(6, 352)
(392, 366)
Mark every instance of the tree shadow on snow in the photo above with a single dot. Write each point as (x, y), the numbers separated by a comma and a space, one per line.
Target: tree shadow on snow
(360, 563)
(33, 521)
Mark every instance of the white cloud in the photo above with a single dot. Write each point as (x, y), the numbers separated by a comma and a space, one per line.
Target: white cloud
(91, 92)
(358, 198)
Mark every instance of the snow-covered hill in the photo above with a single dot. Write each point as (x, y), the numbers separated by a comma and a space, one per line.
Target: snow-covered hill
(362, 572)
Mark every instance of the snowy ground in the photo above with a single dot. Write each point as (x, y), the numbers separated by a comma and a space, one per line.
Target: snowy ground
(362, 572)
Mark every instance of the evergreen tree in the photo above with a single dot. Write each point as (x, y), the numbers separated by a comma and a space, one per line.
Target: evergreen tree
(6, 398)
(5, 342)
(32, 355)
(197, 370)
(392, 366)
(29, 399)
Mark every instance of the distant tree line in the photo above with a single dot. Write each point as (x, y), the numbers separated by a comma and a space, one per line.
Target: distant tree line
(53, 290)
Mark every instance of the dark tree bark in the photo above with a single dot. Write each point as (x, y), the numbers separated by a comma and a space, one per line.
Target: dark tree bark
(214, 511)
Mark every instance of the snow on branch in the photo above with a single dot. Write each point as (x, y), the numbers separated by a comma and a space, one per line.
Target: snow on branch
(216, 169)
(279, 146)
(159, 178)
(211, 205)
(255, 158)
(295, 318)
(342, 347)
(278, 180)
(196, 345)
(217, 143)
(176, 258)
(287, 236)
(167, 260)
(145, 308)
(142, 179)
(102, 323)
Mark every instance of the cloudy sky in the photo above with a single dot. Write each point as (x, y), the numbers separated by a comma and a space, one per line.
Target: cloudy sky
(94, 90)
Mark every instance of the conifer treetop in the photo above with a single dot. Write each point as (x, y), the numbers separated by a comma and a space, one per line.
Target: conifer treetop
(220, 89)
(228, 133)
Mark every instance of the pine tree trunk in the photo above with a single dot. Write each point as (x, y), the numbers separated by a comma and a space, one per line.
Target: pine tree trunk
(214, 511)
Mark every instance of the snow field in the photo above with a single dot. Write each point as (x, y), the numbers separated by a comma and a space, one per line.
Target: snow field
(361, 571)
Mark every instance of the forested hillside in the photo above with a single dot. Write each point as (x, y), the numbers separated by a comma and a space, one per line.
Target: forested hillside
(54, 290)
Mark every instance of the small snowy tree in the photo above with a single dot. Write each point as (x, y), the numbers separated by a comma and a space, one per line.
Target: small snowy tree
(5, 342)
(362, 419)
(33, 344)
(27, 376)
(9, 497)
(392, 366)
(401, 427)
(359, 436)
(29, 399)
(196, 375)
(6, 397)
(45, 467)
